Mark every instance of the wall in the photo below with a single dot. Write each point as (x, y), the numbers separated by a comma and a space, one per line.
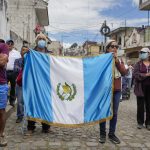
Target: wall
(4, 24)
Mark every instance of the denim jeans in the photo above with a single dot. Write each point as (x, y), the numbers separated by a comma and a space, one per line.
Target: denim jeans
(113, 121)
(20, 103)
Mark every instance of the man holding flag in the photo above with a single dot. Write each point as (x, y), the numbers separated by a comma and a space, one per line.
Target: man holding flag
(40, 47)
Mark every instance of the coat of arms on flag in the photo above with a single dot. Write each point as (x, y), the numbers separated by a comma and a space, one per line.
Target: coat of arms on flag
(68, 91)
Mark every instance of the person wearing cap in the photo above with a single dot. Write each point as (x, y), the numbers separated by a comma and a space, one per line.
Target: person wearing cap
(120, 70)
(3, 90)
(11, 75)
(141, 76)
(40, 47)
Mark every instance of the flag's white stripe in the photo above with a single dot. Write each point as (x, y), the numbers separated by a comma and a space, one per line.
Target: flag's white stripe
(69, 70)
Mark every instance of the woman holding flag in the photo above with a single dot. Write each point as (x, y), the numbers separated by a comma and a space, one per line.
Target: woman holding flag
(112, 47)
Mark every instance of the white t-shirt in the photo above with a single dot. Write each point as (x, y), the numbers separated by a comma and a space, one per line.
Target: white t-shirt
(13, 55)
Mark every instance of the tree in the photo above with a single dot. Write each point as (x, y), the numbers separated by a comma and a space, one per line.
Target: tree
(74, 45)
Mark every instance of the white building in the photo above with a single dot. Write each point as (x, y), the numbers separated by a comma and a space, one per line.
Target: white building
(25, 16)
(4, 22)
(131, 39)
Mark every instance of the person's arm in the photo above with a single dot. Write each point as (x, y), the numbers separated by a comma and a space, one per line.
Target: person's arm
(136, 73)
(3, 59)
(121, 67)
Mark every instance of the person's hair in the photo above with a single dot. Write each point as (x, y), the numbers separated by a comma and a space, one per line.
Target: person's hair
(2, 41)
(107, 47)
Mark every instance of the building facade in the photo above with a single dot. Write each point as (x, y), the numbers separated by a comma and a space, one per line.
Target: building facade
(27, 18)
(144, 4)
(92, 48)
(131, 40)
(56, 47)
(4, 21)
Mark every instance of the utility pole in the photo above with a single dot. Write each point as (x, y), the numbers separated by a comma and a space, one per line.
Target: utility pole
(148, 17)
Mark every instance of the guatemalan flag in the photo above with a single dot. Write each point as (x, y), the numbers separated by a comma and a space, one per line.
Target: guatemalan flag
(67, 91)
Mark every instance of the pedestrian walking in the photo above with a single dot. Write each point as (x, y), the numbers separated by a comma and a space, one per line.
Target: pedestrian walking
(142, 88)
(3, 90)
(111, 46)
(11, 75)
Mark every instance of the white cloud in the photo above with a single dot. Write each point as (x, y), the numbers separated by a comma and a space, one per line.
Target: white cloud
(77, 15)
(68, 15)
(66, 45)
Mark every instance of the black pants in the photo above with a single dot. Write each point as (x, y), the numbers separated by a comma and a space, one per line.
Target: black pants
(11, 77)
(143, 105)
(31, 126)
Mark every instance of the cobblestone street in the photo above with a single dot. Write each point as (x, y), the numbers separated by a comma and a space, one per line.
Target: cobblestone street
(85, 138)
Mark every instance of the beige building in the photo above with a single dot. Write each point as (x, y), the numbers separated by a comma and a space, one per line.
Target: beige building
(144, 4)
(56, 47)
(131, 39)
(4, 21)
(26, 18)
(92, 48)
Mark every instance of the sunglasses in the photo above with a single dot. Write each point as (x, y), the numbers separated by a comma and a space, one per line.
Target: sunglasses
(142, 52)
(114, 46)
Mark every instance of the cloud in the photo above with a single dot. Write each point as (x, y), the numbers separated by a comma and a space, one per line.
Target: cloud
(66, 45)
(67, 15)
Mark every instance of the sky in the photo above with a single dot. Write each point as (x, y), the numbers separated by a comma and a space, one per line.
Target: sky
(75, 21)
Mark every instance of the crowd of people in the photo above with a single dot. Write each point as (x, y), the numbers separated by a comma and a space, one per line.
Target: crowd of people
(11, 69)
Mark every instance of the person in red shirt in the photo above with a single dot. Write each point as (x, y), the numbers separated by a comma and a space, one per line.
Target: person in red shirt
(3, 90)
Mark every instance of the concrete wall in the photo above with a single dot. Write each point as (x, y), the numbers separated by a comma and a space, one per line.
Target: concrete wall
(22, 18)
(4, 23)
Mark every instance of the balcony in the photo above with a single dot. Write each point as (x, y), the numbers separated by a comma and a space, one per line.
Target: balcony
(144, 5)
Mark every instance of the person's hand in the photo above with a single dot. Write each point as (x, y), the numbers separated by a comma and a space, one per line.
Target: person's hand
(115, 56)
(3, 59)
(148, 74)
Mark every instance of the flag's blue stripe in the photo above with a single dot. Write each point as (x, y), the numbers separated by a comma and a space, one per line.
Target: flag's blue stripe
(37, 86)
(97, 87)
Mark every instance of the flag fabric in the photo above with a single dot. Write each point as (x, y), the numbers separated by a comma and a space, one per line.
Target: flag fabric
(67, 91)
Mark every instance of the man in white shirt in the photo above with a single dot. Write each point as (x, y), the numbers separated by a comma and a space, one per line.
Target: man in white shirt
(11, 75)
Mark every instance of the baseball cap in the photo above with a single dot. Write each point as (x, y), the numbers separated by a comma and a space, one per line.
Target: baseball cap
(108, 42)
(145, 49)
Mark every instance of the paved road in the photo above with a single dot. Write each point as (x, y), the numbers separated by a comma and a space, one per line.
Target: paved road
(85, 138)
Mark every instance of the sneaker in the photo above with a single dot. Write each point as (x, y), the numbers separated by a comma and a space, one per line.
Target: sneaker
(19, 119)
(3, 141)
(45, 131)
(102, 139)
(140, 126)
(113, 138)
(148, 127)
(29, 132)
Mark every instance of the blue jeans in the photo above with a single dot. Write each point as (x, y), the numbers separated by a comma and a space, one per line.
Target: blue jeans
(20, 103)
(113, 121)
